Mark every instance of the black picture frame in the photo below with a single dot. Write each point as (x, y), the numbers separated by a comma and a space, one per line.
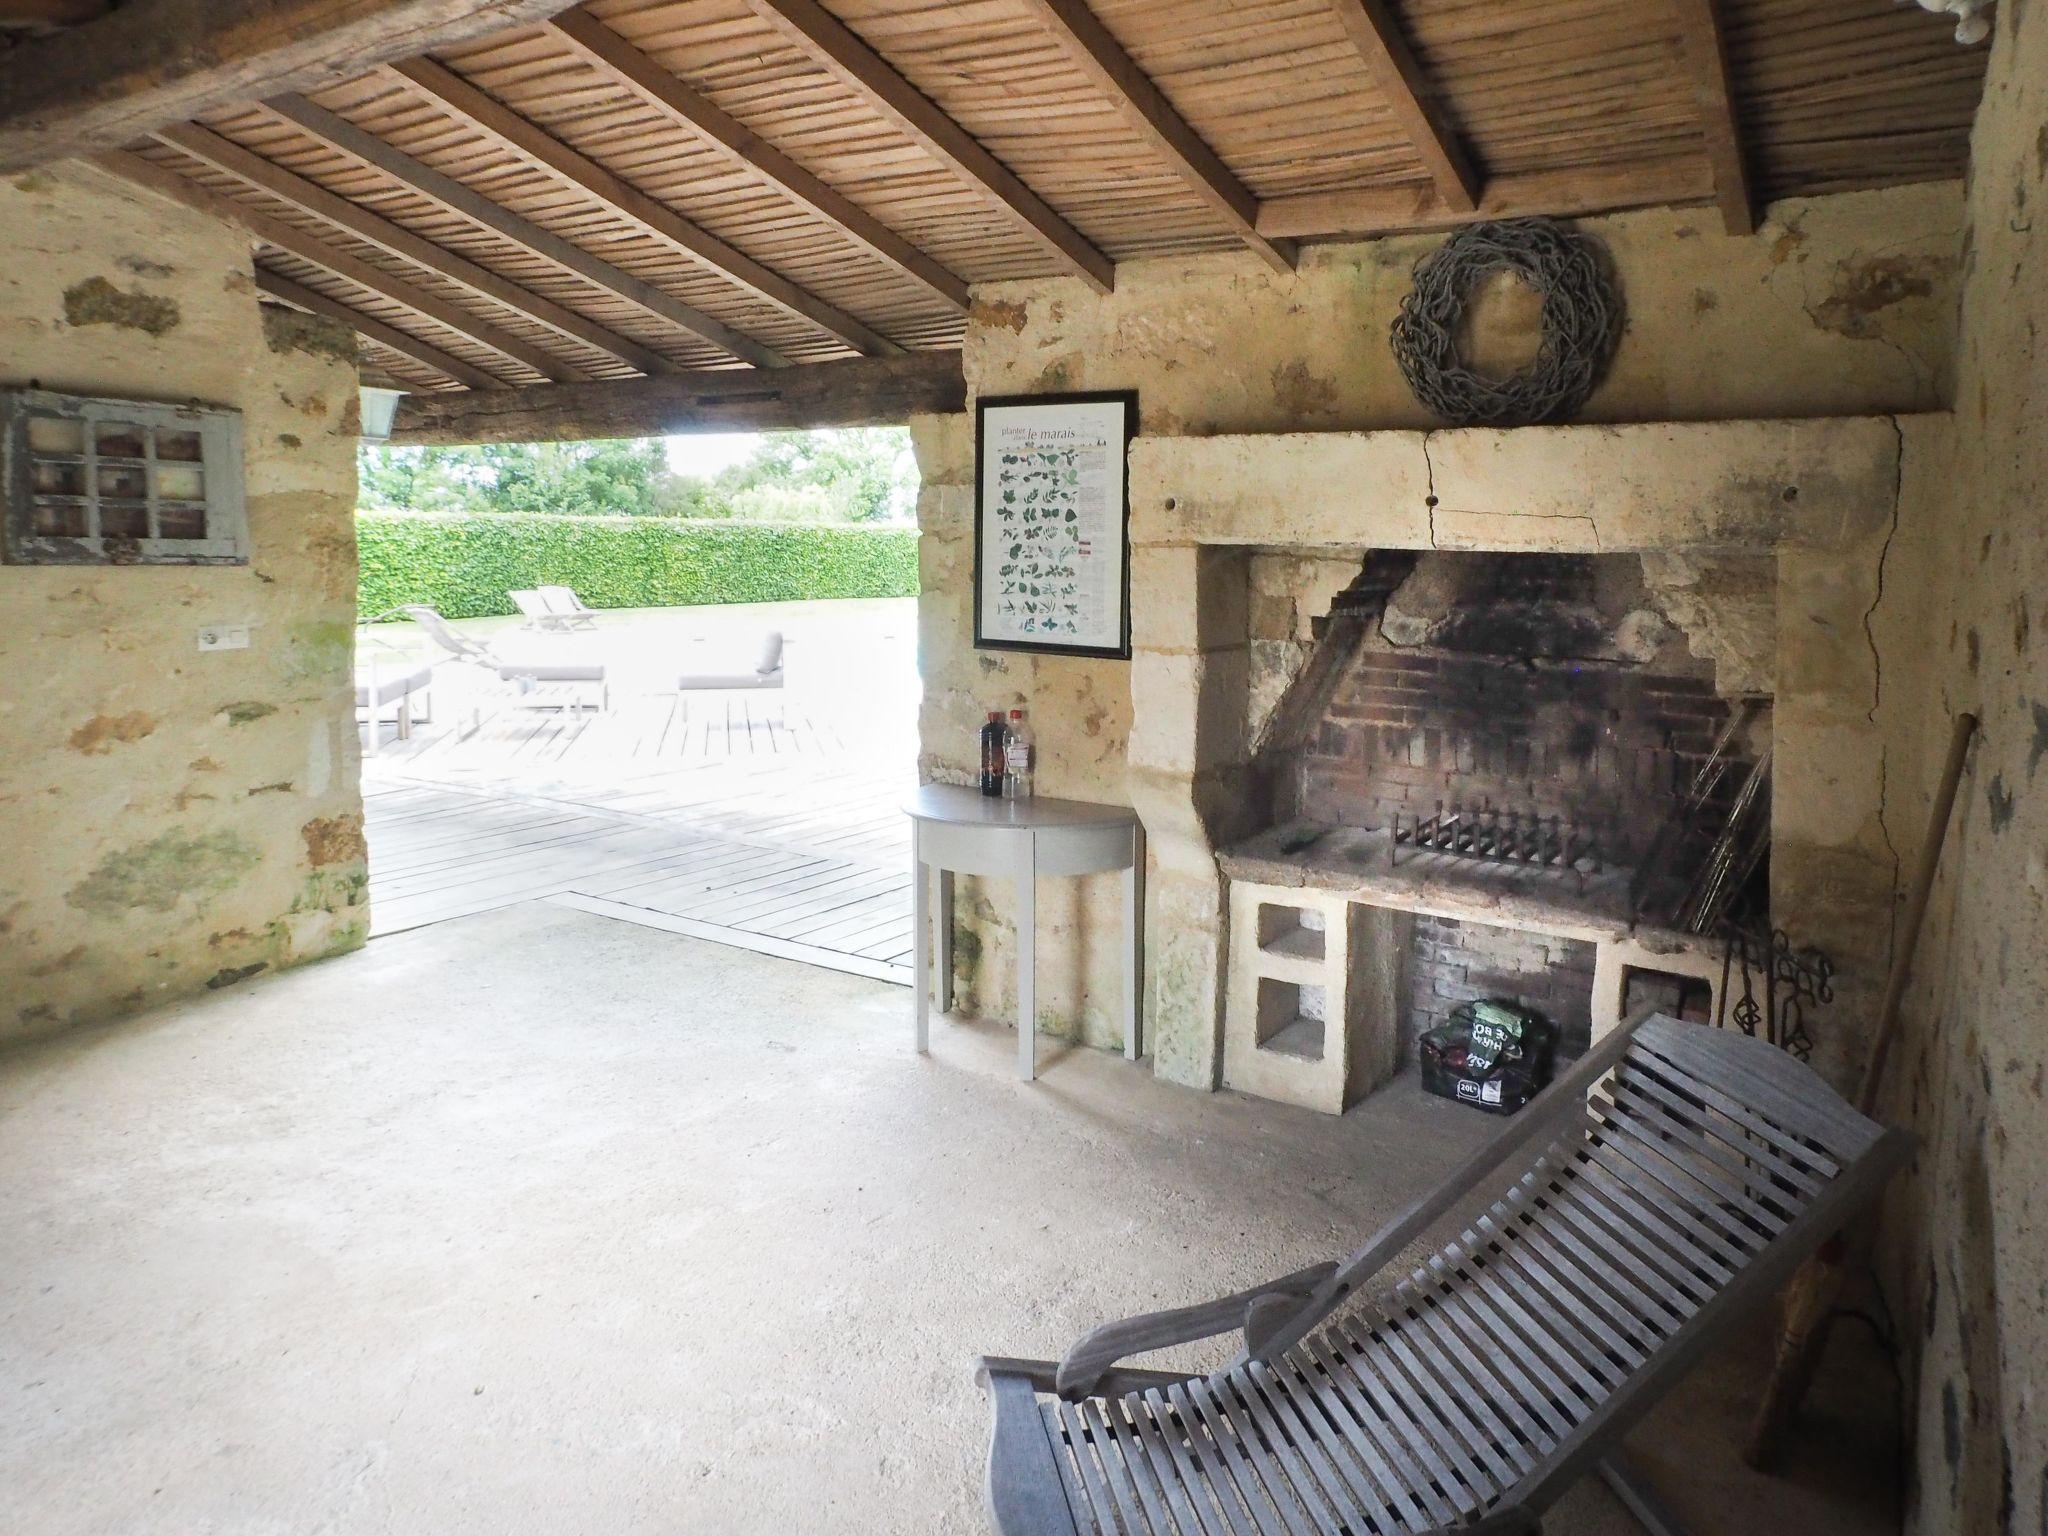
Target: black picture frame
(986, 637)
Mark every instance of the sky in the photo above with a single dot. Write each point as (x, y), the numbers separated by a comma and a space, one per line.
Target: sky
(706, 453)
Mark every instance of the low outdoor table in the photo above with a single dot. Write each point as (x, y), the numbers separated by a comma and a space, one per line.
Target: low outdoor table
(957, 830)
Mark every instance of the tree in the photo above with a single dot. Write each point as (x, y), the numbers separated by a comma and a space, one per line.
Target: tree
(575, 479)
(852, 475)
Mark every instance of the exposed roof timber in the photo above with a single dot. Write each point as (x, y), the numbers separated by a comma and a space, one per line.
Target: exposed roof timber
(310, 118)
(301, 297)
(42, 15)
(1562, 194)
(877, 391)
(488, 115)
(1102, 58)
(619, 59)
(1411, 98)
(826, 39)
(288, 186)
(307, 247)
(149, 63)
(1706, 57)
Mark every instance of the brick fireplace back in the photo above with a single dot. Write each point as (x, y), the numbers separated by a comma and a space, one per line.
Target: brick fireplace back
(1542, 684)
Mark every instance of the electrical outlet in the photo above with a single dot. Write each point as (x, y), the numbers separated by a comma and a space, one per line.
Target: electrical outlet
(224, 637)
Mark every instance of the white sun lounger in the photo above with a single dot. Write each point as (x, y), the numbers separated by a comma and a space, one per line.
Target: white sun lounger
(511, 668)
(766, 670)
(554, 609)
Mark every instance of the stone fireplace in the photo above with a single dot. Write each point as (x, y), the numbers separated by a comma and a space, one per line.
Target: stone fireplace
(1336, 634)
(1504, 725)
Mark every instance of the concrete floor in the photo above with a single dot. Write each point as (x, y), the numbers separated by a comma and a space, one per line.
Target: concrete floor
(538, 1222)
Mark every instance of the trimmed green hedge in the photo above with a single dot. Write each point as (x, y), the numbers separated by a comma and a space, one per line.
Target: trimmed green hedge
(465, 565)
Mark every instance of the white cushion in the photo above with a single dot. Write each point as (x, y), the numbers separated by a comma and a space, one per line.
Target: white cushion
(391, 684)
(554, 671)
(698, 681)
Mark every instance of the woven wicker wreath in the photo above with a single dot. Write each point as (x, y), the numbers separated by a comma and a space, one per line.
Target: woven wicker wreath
(1581, 322)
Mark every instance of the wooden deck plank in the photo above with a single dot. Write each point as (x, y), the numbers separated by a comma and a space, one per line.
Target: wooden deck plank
(743, 819)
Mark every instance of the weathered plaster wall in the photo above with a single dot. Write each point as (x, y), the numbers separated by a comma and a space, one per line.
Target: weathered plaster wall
(169, 819)
(1838, 306)
(1967, 1237)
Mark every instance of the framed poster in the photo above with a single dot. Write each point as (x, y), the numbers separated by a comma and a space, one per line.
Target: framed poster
(1051, 523)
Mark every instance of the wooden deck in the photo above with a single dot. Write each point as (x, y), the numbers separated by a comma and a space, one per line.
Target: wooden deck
(764, 820)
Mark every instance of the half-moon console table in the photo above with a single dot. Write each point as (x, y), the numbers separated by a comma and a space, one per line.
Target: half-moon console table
(956, 830)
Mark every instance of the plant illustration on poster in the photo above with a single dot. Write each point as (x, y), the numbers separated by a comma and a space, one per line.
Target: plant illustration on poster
(1051, 556)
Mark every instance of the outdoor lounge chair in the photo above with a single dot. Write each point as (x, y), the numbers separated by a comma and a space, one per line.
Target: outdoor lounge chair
(523, 670)
(1604, 1242)
(571, 610)
(765, 671)
(405, 687)
(554, 609)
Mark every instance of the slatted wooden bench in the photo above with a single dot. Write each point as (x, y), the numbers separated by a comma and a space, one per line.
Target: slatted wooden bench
(1668, 1183)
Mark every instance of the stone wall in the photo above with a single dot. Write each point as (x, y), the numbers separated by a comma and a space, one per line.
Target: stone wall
(1836, 306)
(1966, 1241)
(173, 820)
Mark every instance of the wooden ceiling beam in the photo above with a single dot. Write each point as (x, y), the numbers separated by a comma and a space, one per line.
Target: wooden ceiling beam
(309, 248)
(339, 133)
(309, 197)
(856, 392)
(49, 15)
(1706, 59)
(1085, 40)
(149, 63)
(1559, 194)
(314, 302)
(818, 33)
(682, 103)
(1411, 98)
(489, 116)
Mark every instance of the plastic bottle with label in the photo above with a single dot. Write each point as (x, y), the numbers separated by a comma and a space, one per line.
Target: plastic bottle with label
(1017, 759)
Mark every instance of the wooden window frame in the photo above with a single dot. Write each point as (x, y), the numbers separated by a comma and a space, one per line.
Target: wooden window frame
(219, 430)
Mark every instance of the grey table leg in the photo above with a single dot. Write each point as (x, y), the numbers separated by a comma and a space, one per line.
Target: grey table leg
(920, 936)
(1134, 941)
(1027, 957)
(943, 906)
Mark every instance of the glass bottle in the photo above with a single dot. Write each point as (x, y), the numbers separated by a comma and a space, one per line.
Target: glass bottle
(992, 743)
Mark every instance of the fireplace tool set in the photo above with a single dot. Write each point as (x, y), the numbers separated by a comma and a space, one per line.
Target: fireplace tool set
(1522, 838)
(1756, 955)
(1734, 849)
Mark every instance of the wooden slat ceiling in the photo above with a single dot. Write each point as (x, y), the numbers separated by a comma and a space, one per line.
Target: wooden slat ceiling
(1826, 96)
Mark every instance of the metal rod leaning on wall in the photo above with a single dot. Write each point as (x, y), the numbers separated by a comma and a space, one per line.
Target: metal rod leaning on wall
(1811, 1295)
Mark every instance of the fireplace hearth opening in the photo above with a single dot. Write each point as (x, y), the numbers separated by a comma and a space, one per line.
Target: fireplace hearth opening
(1576, 724)
(1524, 756)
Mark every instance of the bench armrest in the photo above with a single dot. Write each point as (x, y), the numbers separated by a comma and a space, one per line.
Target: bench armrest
(1091, 1357)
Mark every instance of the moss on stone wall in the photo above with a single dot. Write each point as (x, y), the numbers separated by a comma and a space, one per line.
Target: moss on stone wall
(155, 876)
(157, 797)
